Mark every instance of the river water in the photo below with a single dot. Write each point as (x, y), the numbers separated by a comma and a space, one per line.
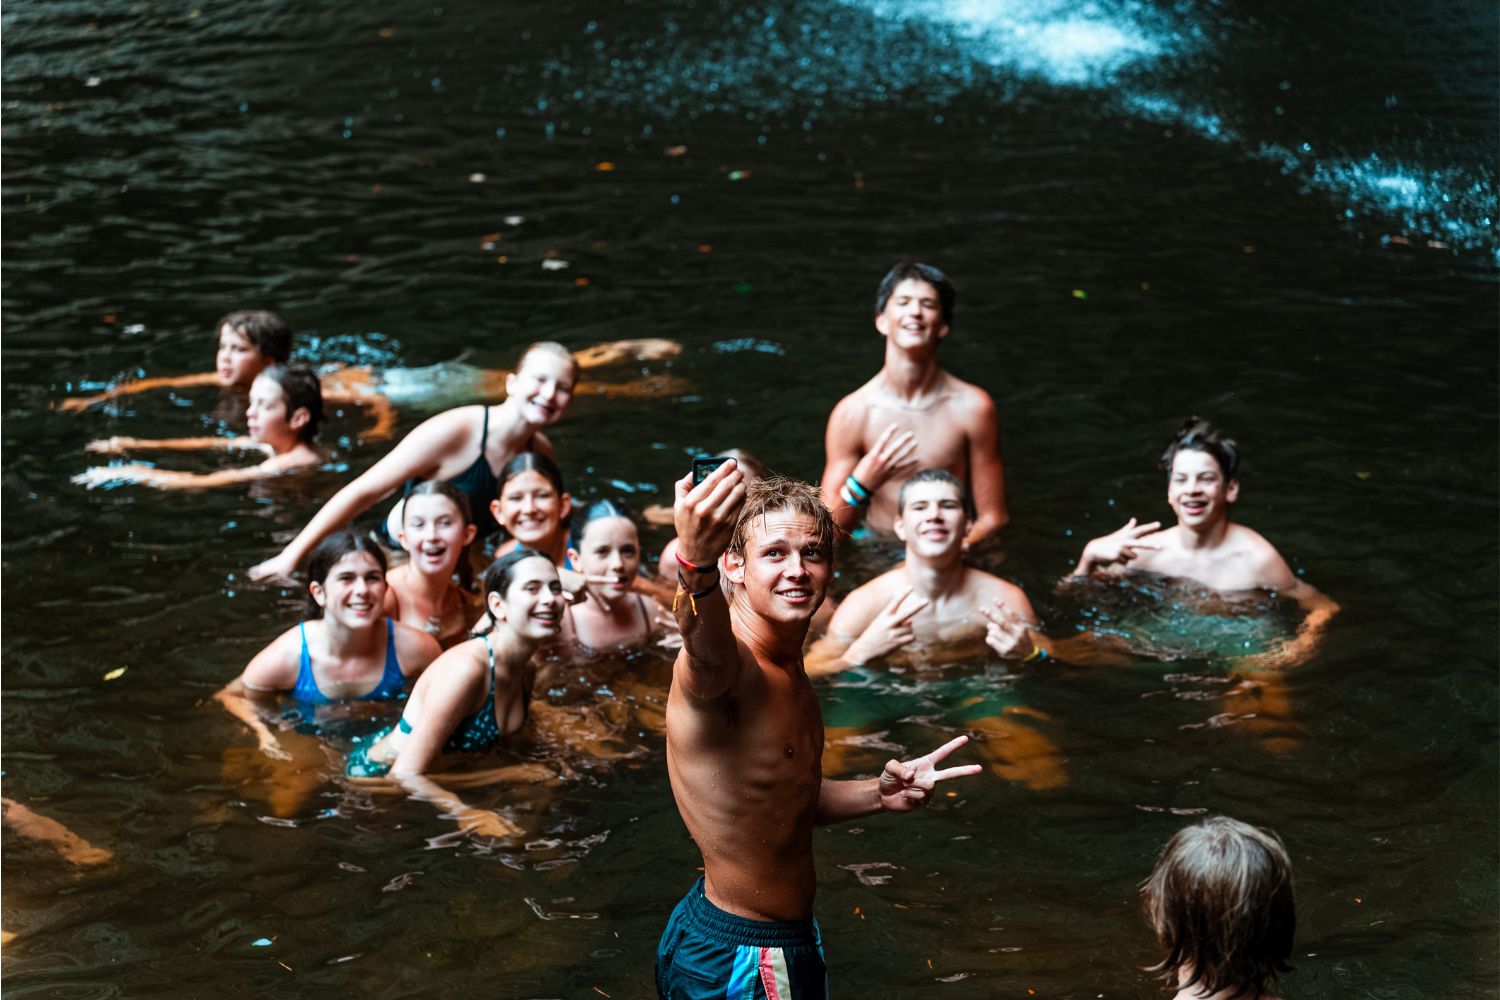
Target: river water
(1277, 215)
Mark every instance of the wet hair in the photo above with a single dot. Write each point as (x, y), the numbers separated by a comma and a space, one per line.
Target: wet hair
(776, 493)
(752, 467)
(1198, 434)
(499, 577)
(302, 391)
(533, 461)
(597, 511)
(947, 294)
(938, 476)
(327, 555)
(440, 488)
(266, 331)
(1220, 902)
(553, 348)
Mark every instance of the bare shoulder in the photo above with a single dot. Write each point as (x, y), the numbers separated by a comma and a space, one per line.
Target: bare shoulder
(848, 414)
(275, 667)
(414, 648)
(968, 398)
(1270, 568)
(992, 587)
(859, 609)
(451, 426)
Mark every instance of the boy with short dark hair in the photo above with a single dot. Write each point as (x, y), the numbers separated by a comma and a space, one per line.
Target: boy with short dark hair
(1220, 901)
(912, 415)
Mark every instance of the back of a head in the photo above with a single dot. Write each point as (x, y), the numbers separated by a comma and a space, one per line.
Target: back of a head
(778, 493)
(267, 331)
(303, 391)
(1220, 901)
(1197, 434)
(910, 270)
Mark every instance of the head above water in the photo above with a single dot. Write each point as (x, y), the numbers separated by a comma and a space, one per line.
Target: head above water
(778, 493)
(329, 553)
(752, 467)
(445, 489)
(597, 511)
(302, 390)
(549, 348)
(1197, 434)
(937, 476)
(533, 571)
(267, 332)
(926, 273)
(532, 505)
(1220, 902)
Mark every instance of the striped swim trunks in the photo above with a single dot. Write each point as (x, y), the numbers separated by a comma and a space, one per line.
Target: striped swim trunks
(708, 953)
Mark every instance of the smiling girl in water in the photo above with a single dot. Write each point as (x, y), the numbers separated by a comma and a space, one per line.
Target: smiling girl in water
(348, 649)
(606, 549)
(462, 446)
(285, 409)
(435, 531)
(478, 692)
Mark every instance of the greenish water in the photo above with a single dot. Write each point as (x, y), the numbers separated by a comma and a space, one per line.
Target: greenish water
(1137, 234)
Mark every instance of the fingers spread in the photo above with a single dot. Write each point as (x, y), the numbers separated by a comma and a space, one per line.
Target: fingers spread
(947, 748)
(957, 772)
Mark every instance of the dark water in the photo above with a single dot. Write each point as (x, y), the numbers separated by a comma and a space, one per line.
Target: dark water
(1278, 215)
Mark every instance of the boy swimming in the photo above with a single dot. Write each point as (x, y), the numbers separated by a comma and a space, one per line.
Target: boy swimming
(285, 409)
(1205, 546)
(912, 415)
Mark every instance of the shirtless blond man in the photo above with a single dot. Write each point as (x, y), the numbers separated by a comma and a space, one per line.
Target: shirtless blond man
(745, 741)
(912, 415)
(1205, 546)
(932, 600)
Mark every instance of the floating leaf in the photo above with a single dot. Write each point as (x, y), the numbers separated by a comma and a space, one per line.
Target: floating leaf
(675, 151)
(115, 674)
(604, 166)
(1079, 293)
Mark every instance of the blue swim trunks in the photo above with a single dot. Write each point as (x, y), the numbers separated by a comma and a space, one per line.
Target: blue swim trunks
(708, 954)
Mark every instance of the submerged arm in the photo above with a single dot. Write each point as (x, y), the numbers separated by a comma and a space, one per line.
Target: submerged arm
(75, 404)
(471, 819)
(171, 479)
(117, 444)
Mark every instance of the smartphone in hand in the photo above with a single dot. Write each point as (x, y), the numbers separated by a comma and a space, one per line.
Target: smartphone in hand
(703, 466)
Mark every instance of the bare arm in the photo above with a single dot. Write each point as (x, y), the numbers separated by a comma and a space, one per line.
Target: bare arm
(170, 479)
(986, 471)
(892, 456)
(76, 404)
(904, 786)
(1318, 607)
(470, 818)
(272, 669)
(418, 455)
(709, 664)
(1117, 548)
(118, 444)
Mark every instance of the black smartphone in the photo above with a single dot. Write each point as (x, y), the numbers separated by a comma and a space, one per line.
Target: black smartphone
(703, 466)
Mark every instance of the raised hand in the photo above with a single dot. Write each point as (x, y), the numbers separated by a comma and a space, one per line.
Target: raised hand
(1120, 546)
(908, 785)
(893, 455)
(705, 515)
(890, 630)
(1006, 632)
(276, 568)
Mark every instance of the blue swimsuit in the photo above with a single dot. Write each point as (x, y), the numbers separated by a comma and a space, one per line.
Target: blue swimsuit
(479, 731)
(392, 681)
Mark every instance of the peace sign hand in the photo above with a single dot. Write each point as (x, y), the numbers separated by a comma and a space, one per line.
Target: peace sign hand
(893, 454)
(890, 630)
(1007, 633)
(1122, 545)
(907, 786)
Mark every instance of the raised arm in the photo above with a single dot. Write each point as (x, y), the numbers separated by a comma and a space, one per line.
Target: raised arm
(893, 455)
(418, 455)
(904, 786)
(709, 664)
(76, 404)
(986, 470)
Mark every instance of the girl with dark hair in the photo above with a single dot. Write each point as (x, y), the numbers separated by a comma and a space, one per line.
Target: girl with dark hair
(348, 649)
(479, 691)
(606, 549)
(532, 507)
(435, 532)
(285, 409)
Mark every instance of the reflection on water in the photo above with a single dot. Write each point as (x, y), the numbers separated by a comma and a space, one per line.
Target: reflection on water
(767, 163)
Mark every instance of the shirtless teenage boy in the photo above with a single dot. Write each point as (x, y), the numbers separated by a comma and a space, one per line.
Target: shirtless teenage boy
(745, 740)
(912, 415)
(1205, 546)
(932, 598)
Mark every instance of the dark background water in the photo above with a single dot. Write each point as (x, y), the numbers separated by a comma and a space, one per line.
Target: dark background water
(1277, 215)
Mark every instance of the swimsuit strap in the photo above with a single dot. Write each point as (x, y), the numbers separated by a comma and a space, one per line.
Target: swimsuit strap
(306, 689)
(484, 435)
(640, 602)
